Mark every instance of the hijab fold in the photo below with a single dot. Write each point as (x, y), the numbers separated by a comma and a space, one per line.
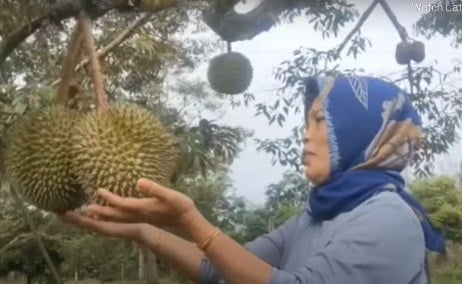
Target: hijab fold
(373, 132)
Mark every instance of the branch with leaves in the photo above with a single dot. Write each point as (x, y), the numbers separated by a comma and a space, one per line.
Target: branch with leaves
(232, 26)
(36, 235)
(119, 39)
(67, 9)
(219, 15)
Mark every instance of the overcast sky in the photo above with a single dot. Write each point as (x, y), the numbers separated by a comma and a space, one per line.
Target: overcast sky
(252, 172)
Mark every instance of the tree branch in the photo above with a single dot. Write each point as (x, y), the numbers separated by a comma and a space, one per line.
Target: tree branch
(67, 9)
(34, 231)
(401, 30)
(232, 26)
(119, 39)
(10, 43)
(56, 15)
(13, 241)
(9, 244)
(8, 113)
(67, 70)
(97, 78)
(358, 26)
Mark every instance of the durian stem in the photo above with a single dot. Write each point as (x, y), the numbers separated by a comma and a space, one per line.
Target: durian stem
(69, 63)
(119, 39)
(357, 27)
(97, 76)
(394, 20)
(40, 244)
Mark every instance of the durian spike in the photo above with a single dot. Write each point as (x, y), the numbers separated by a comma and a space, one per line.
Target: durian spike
(97, 77)
(69, 63)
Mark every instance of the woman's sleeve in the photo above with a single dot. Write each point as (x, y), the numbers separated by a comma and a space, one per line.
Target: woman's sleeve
(382, 245)
(268, 247)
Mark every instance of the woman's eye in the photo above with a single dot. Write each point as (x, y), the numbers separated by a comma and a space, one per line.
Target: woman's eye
(320, 118)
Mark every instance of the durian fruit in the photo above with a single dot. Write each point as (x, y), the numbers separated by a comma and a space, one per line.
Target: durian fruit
(230, 73)
(403, 53)
(417, 51)
(115, 147)
(38, 161)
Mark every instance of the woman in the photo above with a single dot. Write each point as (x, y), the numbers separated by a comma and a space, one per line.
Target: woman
(359, 225)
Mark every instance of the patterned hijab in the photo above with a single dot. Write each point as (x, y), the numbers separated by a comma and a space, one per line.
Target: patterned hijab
(373, 131)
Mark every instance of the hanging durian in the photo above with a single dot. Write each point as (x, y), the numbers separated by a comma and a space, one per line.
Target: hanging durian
(417, 51)
(230, 73)
(38, 160)
(407, 51)
(403, 53)
(116, 145)
(37, 157)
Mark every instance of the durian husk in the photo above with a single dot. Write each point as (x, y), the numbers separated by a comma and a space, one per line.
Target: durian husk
(403, 53)
(38, 161)
(230, 73)
(114, 148)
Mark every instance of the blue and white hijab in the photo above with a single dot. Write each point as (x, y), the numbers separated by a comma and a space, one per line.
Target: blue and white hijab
(373, 132)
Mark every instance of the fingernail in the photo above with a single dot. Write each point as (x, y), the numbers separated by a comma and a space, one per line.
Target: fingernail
(101, 192)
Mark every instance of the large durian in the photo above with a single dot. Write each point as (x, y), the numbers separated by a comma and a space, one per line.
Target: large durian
(38, 161)
(120, 144)
(230, 73)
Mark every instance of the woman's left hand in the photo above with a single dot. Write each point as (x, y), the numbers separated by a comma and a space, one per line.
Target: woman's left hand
(162, 207)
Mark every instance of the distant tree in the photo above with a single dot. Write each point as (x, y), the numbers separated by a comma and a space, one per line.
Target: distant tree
(24, 256)
(443, 200)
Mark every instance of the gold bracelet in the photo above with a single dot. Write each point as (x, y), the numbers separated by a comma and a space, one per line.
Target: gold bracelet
(208, 239)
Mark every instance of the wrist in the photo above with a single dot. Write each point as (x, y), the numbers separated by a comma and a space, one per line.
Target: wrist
(196, 226)
(148, 234)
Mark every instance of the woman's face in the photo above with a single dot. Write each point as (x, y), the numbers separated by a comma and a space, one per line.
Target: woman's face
(316, 144)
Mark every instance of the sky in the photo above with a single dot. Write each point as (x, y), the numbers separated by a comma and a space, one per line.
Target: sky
(252, 172)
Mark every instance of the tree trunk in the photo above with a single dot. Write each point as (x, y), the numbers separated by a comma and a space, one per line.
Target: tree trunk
(31, 225)
(122, 269)
(148, 271)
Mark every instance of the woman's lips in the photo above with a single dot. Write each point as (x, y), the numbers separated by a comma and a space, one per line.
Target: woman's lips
(306, 156)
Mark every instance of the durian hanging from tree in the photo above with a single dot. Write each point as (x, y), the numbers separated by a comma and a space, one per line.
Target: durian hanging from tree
(230, 73)
(115, 145)
(409, 51)
(37, 156)
(57, 158)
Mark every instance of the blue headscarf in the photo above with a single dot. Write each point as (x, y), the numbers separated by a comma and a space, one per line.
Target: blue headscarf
(373, 130)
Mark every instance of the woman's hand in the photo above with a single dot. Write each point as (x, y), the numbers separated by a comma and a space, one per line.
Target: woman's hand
(161, 207)
(129, 231)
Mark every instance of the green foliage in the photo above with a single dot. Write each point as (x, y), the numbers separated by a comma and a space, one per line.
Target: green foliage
(92, 256)
(25, 257)
(255, 223)
(291, 192)
(155, 55)
(327, 17)
(442, 197)
(446, 24)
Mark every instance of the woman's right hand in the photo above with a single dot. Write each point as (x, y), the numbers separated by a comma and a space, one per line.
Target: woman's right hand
(130, 231)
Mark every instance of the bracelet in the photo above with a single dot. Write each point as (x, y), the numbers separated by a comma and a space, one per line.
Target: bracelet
(203, 245)
(160, 239)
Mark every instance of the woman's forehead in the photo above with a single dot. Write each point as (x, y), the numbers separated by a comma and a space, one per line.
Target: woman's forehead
(317, 105)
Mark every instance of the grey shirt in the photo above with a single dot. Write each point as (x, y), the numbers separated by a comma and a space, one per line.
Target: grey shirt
(380, 241)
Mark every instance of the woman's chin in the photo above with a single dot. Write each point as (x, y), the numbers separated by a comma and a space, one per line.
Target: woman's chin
(314, 178)
(311, 177)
